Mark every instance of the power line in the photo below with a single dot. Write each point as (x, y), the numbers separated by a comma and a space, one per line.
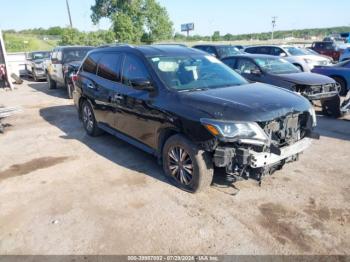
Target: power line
(69, 15)
(274, 18)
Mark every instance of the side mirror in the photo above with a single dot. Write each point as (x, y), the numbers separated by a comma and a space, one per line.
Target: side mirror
(142, 84)
(255, 72)
(283, 54)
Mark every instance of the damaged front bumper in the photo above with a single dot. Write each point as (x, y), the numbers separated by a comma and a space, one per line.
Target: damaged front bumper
(240, 157)
(264, 159)
(320, 96)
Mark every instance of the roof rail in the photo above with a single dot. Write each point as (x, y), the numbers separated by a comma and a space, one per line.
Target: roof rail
(113, 45)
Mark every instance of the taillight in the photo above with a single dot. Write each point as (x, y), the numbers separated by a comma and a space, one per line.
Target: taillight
(74, 77)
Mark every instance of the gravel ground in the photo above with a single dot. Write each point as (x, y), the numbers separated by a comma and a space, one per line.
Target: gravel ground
(62, 192)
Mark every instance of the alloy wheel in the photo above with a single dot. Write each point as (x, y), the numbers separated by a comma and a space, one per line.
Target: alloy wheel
(180, 165)
(88, 119)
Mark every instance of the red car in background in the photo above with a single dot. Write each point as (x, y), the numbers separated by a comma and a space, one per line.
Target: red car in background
(328, 48)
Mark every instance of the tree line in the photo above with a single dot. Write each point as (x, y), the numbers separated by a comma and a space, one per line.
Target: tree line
(146, 21)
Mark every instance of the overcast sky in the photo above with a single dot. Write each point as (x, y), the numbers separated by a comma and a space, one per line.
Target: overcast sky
(227, 16)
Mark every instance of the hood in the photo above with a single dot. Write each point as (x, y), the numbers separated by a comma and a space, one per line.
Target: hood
(305, 78)
(252, 102)
(316, 58)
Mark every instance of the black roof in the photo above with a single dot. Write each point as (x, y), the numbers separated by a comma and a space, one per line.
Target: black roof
(152, 50)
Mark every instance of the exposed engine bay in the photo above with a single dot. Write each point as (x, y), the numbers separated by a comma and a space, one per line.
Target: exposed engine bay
(289, 136)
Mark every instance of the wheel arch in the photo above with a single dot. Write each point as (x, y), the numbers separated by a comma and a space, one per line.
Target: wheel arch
(163, 135)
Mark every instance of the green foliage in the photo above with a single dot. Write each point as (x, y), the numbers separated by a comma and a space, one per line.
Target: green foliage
(134, 20)
(75, 37)
(15, 42)
(216, 36)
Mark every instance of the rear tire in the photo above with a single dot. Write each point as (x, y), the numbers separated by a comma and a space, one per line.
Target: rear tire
(331, 107)
(193, 172)
(52, 83)
(89, 121)
(343, 86)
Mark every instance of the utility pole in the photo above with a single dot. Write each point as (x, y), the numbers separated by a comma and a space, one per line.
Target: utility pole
(273, 26)
(69, 15)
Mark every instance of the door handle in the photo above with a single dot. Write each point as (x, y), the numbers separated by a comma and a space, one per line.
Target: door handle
(91, 86)
(116, 97)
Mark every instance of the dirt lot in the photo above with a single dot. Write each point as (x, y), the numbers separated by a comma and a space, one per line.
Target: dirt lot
(62, 192)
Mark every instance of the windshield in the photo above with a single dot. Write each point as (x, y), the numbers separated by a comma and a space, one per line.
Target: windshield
(226, 51)
(191, 73)
(71, 55)
(296, 51)
(40, 55)
(276, 66)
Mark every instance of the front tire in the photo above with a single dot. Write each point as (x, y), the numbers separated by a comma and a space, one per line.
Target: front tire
(35, 78)
(89, 121)
(331, 107)
(186, 166)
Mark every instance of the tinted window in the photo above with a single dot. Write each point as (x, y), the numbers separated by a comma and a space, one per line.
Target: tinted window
(251, 50)
(75, 54)
(133, 68)
(264, 50)
(209, 49)
(226, 51)
(245, 66)
(231, 62)
(90, 63)
(276, 51)
(109, 67)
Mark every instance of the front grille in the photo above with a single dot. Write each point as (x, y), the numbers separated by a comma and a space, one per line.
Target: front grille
(317, 89)
(286, 130)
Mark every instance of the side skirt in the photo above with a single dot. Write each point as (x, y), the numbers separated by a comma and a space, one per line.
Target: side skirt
(128, 139)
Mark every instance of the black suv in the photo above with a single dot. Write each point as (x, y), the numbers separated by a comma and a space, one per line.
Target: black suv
(192, 112)
(65, 61)
(219, 51)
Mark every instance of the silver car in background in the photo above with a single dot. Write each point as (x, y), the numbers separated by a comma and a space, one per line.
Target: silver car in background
(299, 57)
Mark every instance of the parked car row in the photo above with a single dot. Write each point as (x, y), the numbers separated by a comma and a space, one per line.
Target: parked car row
(198, 109)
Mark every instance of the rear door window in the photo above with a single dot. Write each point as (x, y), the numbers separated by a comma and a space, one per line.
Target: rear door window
(265, 50)
(231, 62)
(90, 63)
(251, 50)
(109, 66)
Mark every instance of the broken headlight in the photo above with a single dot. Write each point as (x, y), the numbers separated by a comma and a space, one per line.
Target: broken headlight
(244, 132)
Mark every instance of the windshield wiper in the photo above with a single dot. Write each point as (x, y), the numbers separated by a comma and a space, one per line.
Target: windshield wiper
(194, 89)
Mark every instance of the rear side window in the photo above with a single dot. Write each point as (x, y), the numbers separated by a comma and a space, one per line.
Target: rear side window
(109, 67)
(265, 50)
(251, 50)
(90, 63)
(231, 62)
